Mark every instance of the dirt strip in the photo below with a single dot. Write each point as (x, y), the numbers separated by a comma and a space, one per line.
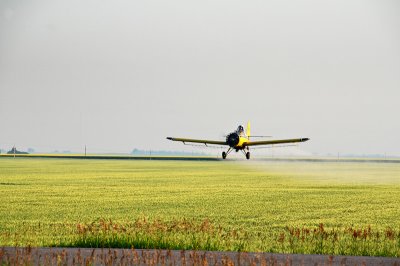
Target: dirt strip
(99, 256)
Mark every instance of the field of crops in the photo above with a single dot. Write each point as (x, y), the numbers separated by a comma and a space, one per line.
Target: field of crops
(290, 207)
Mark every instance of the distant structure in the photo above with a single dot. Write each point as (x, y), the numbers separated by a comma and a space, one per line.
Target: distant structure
(15, 151)
(166, 153)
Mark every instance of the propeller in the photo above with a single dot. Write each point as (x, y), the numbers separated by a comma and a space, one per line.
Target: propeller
(232, 139)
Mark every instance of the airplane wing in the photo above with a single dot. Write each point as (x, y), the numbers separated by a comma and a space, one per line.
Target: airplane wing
(203, 141)
(272, 142)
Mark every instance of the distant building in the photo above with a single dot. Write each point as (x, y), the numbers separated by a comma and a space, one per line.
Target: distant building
(15, 151)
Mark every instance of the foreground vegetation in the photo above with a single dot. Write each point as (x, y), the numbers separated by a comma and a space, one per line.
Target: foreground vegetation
(332, 208)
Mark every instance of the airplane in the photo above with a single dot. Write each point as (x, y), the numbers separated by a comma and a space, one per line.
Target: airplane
(238, 140)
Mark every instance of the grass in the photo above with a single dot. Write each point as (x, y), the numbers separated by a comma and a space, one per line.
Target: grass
(323, 208)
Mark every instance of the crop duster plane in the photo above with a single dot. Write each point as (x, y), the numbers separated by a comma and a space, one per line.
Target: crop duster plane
(239, 140)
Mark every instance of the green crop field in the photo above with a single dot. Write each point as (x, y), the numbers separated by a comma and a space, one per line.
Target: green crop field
(290, 207)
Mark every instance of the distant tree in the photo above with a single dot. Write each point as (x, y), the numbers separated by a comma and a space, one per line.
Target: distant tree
(31, 150)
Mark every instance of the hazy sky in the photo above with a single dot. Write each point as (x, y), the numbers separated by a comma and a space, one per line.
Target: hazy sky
(116, 75)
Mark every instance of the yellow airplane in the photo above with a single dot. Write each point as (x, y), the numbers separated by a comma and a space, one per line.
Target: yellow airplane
(239, 140)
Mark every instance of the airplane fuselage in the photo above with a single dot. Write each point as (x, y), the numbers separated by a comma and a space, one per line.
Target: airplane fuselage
(236, 141)
(242, 143)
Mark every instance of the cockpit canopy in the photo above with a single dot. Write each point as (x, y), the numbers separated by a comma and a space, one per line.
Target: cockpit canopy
(240, 130)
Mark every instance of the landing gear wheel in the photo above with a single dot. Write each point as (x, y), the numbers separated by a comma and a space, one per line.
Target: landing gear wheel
(223, 155)
(247, 155)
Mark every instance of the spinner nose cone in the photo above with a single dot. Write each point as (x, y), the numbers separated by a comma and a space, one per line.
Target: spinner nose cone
(304, 139)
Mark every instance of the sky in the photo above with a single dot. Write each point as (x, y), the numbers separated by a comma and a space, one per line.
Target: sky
(118, 75)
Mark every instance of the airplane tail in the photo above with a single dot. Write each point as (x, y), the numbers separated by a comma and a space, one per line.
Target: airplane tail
(248, 130)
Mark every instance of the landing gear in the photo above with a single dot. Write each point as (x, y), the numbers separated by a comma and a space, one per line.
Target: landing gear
(247, 154)
(224, 154)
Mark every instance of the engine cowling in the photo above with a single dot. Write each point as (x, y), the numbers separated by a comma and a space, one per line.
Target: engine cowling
(232, 139)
